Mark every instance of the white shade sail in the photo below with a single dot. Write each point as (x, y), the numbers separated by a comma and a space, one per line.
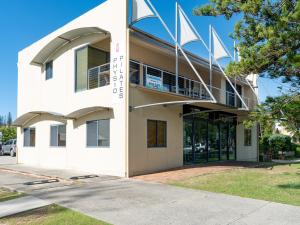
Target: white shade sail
(140, 10)
(219, 50)
(186, 32)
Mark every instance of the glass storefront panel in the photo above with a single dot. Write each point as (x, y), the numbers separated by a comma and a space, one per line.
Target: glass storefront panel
(224, 141)
(188, 141)
(209, 137)
(213, 142)
(200, 135)
(232, 141)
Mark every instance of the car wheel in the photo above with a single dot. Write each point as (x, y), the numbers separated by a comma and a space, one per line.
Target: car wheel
(1, 153)
(12, 154)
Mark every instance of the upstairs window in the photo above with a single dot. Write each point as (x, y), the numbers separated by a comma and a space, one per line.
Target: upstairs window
(58, 136)
(247, 137)
(49, 70)
(87, 58)
(29, 137)
(134, 72)
(231, 97)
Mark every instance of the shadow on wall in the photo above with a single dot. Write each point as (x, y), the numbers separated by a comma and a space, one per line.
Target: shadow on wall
(105, 114)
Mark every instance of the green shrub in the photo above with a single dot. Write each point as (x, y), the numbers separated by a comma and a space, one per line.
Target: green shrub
(264, 144)
(275, 143)
(278, 142)
(297, 151)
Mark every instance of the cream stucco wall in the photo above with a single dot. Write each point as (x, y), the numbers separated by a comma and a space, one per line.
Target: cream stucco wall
(146, 160)
(58, 95)
(246, 153)
(128, 153)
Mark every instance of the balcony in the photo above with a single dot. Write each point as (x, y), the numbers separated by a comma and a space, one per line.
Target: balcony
(163, 81)
(160, 80)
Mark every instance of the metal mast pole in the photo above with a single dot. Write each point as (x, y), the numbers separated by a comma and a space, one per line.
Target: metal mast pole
(176, 48)
(210, 59)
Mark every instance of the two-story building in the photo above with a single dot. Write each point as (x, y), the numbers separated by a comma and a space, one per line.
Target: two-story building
(100, 96)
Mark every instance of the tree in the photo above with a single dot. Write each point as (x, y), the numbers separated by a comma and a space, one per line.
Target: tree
(9, 119)
(268, 36)
(284, 109)
(1, 121)
(8, 133)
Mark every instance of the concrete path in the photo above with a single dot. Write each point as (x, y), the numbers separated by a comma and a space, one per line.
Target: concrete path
(286, 161)
(132, 202)
(7, 160)
(19, 205)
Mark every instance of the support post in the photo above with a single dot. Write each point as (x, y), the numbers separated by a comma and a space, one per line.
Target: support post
(182, 51)
(176, 47)
(210, 59)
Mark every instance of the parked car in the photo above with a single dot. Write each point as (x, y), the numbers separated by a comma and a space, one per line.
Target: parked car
(200, 147)
(9, 148)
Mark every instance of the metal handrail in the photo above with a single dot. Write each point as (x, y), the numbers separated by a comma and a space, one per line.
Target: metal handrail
(99, 76)
(189, 87)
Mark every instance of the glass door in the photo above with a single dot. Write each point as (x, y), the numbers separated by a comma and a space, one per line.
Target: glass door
(232, 141)
(200, 136)
(188, 153)
(213, 142)
(224, 141)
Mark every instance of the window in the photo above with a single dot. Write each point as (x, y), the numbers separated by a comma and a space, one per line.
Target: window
(231, 95)
(58, 136)
(87, 58)
(98, 133)
(156, 134)
(134, 73)
(29, 137)
(247, 137)
(49, 70)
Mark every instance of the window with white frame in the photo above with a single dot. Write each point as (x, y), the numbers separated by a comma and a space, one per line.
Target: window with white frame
(98, 133)
(58, 135)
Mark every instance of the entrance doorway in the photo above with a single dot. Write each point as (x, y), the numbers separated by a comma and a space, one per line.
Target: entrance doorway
(209, 137)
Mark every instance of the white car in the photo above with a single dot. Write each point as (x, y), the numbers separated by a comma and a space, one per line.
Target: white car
(9, 148)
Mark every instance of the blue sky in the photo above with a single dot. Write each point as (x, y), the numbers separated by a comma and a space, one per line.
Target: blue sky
(24, 22)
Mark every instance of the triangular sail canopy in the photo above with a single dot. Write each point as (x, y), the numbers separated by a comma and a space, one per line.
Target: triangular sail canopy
(140, 10)
(219, 50)
(186, 32)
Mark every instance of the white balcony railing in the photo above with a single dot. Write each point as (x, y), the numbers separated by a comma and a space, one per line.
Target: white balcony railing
(99, 76)
(164, 81)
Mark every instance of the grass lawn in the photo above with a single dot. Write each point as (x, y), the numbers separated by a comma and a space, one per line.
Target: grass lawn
(50, 215)
(6, 195)
(280, 184)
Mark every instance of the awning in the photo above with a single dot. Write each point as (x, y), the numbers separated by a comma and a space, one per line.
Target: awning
(171, 103)
(25, 118)
(85, 111)
(62, 40)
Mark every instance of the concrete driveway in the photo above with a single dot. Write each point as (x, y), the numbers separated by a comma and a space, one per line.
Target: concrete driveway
(133, 202)
(7, 160)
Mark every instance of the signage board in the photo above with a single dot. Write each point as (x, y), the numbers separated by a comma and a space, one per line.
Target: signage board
(154, 82)
(118, 73)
